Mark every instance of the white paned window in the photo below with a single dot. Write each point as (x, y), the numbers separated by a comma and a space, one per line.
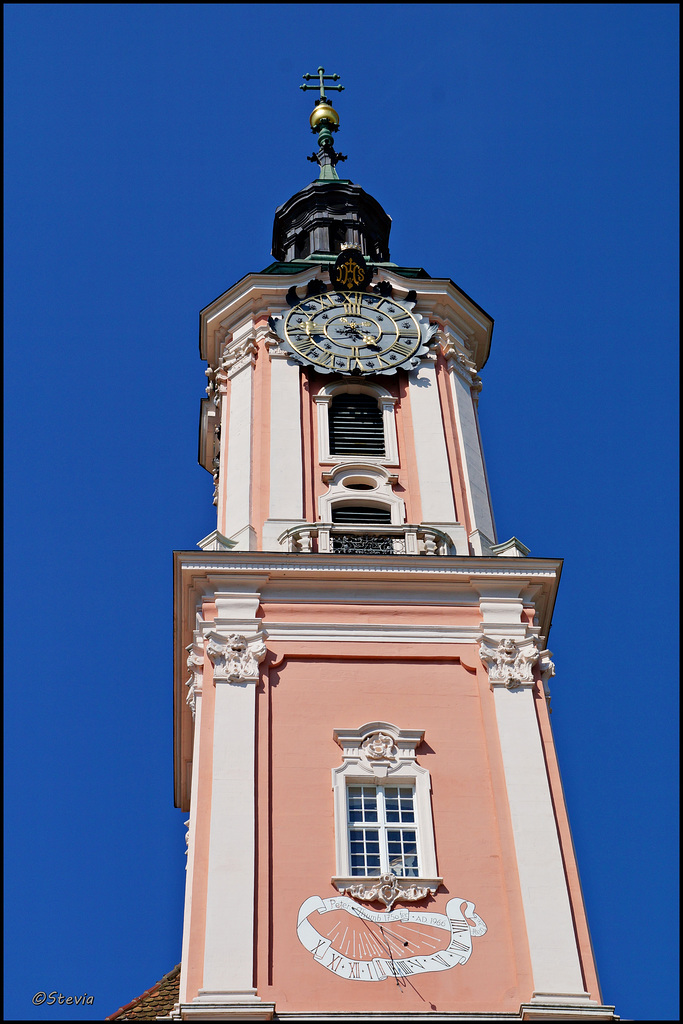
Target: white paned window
(382, 808)
(382, 830)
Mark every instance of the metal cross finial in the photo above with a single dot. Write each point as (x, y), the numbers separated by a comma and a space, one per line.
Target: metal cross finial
(321, 84)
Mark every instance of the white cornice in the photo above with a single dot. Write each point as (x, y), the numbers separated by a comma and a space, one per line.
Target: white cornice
(377, 633)
(460, 567)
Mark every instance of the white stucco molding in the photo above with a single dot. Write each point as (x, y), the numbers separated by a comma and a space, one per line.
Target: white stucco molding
(510, 663)
(386, 402)
(501, 605)
(512, 548)
(195, 665)
(220, 1005)
(481, 544)
(341, 490)
(235, 659)
(239, 354)
(215, 541)
(381, 753)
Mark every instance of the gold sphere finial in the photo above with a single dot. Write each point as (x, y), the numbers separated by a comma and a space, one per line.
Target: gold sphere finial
(323, 112)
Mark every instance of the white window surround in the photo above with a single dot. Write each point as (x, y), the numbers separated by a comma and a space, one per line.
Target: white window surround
(378, 754)
(373, 833)
(386, 402)
(376, 477)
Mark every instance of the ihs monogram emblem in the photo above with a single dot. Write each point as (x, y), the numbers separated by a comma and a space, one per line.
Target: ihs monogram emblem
(350, 271)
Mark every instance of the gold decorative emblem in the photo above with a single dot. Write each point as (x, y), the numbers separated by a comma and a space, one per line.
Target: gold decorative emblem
(350, 272)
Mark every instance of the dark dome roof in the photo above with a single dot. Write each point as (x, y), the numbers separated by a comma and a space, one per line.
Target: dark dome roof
(325, 215)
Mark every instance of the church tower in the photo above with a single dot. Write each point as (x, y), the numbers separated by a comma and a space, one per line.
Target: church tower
(376, 822)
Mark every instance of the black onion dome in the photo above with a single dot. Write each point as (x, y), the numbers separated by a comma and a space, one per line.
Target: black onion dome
(326, 215)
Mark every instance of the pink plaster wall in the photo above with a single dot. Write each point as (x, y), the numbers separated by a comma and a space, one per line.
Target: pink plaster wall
(307, 697)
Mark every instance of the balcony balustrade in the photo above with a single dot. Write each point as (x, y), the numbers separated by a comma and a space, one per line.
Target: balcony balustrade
(366, 539)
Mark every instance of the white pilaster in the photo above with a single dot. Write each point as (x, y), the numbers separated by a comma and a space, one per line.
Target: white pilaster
(436, 494)
(236, 479)
(195, 662)
(509, 656)
(476, 485)
(286, 461)
(235, 648)
(550, 931)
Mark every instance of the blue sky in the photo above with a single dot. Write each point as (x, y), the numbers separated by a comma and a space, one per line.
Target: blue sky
(527, 151)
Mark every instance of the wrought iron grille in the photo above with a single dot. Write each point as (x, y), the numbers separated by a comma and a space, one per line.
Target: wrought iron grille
(362, 544)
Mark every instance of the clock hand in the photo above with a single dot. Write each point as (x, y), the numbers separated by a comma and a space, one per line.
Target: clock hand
(352, 323)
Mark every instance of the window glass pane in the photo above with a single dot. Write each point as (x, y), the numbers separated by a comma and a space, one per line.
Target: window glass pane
(390, 841)
(402, 851)
(362, 804)
(364, 848)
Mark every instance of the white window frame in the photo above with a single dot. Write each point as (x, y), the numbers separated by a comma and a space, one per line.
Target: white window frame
(382, 826)
(379, 482)
(323, 401)
(361, 766)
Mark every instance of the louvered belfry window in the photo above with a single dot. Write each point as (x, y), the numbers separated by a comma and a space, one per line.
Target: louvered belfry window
(356, 426)
(356, 515)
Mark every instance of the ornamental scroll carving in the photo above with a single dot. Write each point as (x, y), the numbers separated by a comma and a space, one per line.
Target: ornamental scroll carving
(239, 355)
(463, 362)
(388, 889)
(195, 665)
(511, 662)
(235, 658)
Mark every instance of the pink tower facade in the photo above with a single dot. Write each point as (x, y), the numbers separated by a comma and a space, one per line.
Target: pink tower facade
(362, 738)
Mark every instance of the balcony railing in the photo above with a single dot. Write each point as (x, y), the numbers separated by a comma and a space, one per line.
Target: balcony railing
(366, 539)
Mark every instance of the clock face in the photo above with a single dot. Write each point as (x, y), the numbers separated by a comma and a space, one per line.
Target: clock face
(355, 332)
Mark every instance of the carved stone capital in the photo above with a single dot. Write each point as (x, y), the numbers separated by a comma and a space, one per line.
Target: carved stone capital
(235, 658)
(510, 662)
(460, 360)
(238, 356)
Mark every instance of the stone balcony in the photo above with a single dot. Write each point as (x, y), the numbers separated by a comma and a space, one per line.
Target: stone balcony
(366, 539)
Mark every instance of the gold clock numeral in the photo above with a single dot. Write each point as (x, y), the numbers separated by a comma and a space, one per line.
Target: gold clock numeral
(325, 359)
(305, 345)
(353, 304)
(402, 348)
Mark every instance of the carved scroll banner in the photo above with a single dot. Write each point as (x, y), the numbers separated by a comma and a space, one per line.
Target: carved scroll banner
(360, 944)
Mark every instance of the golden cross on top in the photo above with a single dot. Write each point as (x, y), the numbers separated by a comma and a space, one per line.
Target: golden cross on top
(321, 84)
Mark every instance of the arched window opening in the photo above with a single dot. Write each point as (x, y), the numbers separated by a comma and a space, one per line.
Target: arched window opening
(356, 425)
